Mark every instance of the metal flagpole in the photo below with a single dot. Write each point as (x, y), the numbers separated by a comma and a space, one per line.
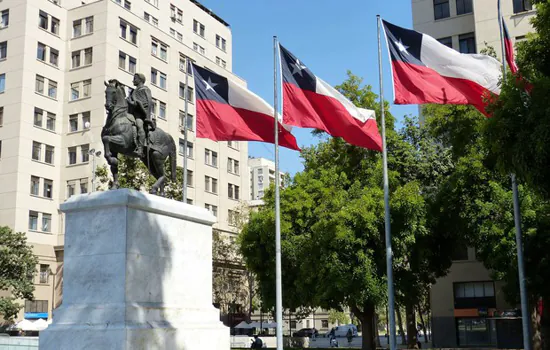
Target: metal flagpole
(278, 280)
(389, 253)
(517, 217)
(185, 98)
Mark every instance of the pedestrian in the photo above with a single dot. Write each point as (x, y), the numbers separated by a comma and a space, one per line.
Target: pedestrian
(257, 343)
(332, 341)
(313, 334)
(349, 335)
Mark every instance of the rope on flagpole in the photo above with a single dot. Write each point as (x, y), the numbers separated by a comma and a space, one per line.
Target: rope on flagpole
(185, 97)
(389, 253)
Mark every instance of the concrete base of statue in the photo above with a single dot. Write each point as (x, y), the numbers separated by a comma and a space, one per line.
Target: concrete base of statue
(137, 275)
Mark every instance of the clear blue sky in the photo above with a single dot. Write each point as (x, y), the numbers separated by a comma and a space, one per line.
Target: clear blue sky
(329, 36)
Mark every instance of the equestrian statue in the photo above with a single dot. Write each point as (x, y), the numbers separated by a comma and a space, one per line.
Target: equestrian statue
(130, 130)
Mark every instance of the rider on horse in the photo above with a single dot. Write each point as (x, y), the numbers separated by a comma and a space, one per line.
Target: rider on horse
(140, 103)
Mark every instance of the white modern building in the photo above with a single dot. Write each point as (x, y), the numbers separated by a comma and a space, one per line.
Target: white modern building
(262, 175)
(467, 305)
(54, 58)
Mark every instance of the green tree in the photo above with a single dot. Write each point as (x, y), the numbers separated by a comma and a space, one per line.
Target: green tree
(332, 222)
(337, 316)
(17, 270)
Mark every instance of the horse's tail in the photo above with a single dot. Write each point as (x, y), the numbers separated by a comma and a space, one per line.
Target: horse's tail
(173, 159)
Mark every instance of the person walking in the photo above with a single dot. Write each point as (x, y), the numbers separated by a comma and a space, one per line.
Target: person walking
(257, 343)
(349, 335)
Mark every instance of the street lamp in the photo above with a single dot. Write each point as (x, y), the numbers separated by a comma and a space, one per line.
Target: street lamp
(94, 154)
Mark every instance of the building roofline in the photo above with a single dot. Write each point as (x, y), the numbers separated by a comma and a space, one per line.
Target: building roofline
(207, 10)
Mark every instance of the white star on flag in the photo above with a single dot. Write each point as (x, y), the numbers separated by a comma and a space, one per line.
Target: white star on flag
(401, 47)
(298, 67)
(209, 84)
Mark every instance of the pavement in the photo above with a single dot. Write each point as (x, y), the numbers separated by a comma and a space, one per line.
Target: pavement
(356, 343)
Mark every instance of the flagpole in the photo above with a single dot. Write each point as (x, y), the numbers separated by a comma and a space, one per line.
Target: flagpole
(278, 272)
(185, 98)
(389, 253)
(525, 316)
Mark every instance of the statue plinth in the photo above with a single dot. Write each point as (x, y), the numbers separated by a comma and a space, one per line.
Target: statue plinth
(137, 275)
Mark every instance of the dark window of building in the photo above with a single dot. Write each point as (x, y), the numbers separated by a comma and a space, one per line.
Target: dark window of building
(460, 252)
(470, 295)
(467, 43)
(36, 306)
(324, 323)
(448, 41)
(441, 9)
(522, 6)
(476, 332)
(464, 6)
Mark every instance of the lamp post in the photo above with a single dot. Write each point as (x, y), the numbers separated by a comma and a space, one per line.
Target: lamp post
(94, 154)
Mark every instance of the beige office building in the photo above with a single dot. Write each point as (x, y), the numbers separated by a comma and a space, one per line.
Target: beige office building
(54, 58)
(468, 307)
(262, 175)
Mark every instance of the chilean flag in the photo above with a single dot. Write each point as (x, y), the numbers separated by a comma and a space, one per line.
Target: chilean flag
(227, 111)
(509, 48)
(426, 71)
(309, 102)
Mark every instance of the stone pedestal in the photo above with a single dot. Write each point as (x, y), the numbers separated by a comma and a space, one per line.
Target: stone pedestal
(137, 275)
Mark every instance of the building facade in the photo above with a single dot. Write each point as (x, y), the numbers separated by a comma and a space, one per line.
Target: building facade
(55, 56)
(468, 307)
(262, 175)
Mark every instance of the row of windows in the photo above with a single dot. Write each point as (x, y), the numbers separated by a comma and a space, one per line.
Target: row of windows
(44, 219)
(466, 42)
(442, 8)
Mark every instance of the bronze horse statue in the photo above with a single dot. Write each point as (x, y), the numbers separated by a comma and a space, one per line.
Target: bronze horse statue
(118, 136)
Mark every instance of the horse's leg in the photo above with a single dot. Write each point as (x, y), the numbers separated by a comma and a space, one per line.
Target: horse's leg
(112, 160)
(157, 169)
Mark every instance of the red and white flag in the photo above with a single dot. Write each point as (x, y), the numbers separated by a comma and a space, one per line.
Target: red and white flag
(310, 102)
(426, 71)
(509, 48)
(227, 111)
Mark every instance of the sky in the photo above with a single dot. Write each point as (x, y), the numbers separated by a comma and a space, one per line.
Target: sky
(329, 37)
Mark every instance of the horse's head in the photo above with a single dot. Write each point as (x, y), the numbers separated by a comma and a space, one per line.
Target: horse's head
(115, 95)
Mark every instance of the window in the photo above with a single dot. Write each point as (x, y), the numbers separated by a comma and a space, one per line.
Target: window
(43, 20)
(73, 123)
(212, 209)
(210, 158)
(189, 120)
(474, 295)
(2, 83)
(35, 185)
(441, 9)
(233, 191)
(49, 154)
(210, 184)
(154, 21)
(55, 26)
(50, 121)
(33, 220)
(448, 41)
(260, 171)
(89, 25)
(71, 185)
(88, 54)
(522, 6)
(46, 222)
(153, 2)
(121, 60)
(127, 5)
(233, 144)
(232, 166)
(199, 48)
(128, 32)
(180, 16)
(162, 110)
(48, 188)
(158, 78)
(460, 252)
(86, 119)
(44, 273)
(54, 57)
(36, 306)
(324, 323)
(132, 64)
(4, 18)
(463, 7)
(476, 332)
(159, 49)
(198, 28)
(75, 91)
(189, 148)
(52, 89)
(36, 150)
(292, 324)
(84, 86)
(77, 28)
(75, 59)
(183, 63)
(38, 117)
(220, 43)
(84, 185)
(189, 201)
(467, 43)
(3, 50)
(72, 155)
(84, 152)
(1, 116)
(41, 52)
(189, 178)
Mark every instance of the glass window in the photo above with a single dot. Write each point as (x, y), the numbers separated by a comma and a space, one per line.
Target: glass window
(2, 82)
(154, 74)
(522, 6)
(121, 60)
(46, 222)
(70, 188)
(189, 149)
(84, 150)
(55, 26)
(44, 273)
(207, 183)
(132, 65)
(162, 110)
(1, 116)
(163, 80)
(38, 113)
(5, 18)
(86, 118)
(3, 49)
(83, 185)
(133, 35)
(43, 20)
(88, 53)
(50, 121)
(35, 185)
(36, 150)
(54, 57)
(190, 94)
(33, 220)
(52, 89)
(72, 155)
(190, 178)
(89, 25)
(41, 52)
(489, 288)
(441, 9)
(75, 59)
(467, 43)
(476, 332)
(214, 159)
(448, 41)
(73, 122)
(77, 28)
(463, 7)
(75, 91)
(163, 52)
(214, 185)
(87, 88)
(48, 188)
(49, 154)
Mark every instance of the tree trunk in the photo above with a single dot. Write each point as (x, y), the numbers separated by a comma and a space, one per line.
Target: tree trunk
(375, 330)
(366, 317)
(535, 328)
(411, 325)
(545, 323)
(400, 325)
(422, 323)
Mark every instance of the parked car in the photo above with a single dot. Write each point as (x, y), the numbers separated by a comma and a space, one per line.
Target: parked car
(342, 331)
(305, 332)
